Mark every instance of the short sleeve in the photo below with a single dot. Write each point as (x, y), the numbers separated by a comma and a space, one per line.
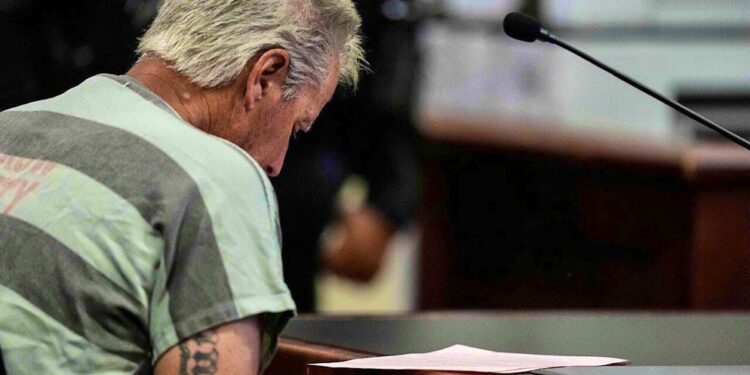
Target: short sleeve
(222, 258)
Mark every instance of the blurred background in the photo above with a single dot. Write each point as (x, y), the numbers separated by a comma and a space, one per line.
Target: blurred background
(472, 171)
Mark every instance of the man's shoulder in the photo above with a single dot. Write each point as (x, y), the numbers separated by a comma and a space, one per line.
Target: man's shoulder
(120, 104)
(113, 114)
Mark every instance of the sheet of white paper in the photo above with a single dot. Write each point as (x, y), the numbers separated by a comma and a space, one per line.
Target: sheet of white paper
(468, 359)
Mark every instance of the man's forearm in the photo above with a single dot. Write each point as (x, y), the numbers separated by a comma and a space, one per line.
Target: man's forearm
(233, 348)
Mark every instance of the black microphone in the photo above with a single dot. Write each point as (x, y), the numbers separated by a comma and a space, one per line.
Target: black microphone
(524, 28)
(527, 29)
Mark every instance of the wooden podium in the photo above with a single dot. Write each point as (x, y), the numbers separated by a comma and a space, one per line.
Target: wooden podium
(632, 224)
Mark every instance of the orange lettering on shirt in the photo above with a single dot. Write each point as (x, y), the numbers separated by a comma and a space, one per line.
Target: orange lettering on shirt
(5, 161)
(7, 184)
(21, 193)
(43, 167)
(21, 164)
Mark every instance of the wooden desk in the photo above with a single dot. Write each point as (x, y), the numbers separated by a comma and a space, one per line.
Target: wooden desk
(631, 224)
(646, 339)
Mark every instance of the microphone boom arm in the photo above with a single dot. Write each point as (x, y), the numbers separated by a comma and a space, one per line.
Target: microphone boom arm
(550, 38)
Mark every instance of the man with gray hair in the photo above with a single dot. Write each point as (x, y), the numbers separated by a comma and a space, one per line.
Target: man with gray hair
(138, 229)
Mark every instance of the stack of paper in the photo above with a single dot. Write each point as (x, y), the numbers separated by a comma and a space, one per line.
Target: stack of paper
(467, 359)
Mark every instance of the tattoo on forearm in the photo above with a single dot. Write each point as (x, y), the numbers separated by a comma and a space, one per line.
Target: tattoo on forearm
(199, 355)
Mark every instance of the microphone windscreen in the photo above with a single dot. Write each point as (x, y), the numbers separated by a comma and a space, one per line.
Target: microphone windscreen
(521, 27)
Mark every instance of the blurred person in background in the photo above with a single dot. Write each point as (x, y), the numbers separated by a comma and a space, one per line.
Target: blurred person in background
(370, 134)
(137, 234)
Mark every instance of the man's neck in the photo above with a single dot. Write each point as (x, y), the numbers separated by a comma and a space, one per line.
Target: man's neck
(204, 109)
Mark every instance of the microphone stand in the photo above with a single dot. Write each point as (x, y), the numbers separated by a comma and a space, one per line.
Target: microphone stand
(550, 38)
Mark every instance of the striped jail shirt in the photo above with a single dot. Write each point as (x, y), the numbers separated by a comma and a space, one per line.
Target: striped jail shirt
(124, 230)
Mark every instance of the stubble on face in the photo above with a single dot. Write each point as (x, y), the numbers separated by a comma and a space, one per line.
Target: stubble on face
(268, 130)
(267, 140)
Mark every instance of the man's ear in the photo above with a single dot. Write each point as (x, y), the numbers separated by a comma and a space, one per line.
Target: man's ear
(267, 77)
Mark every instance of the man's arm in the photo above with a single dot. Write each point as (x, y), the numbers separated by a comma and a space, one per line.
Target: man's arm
(233, 348)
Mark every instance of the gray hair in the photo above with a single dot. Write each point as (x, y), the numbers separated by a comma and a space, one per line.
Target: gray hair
(211, 41)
